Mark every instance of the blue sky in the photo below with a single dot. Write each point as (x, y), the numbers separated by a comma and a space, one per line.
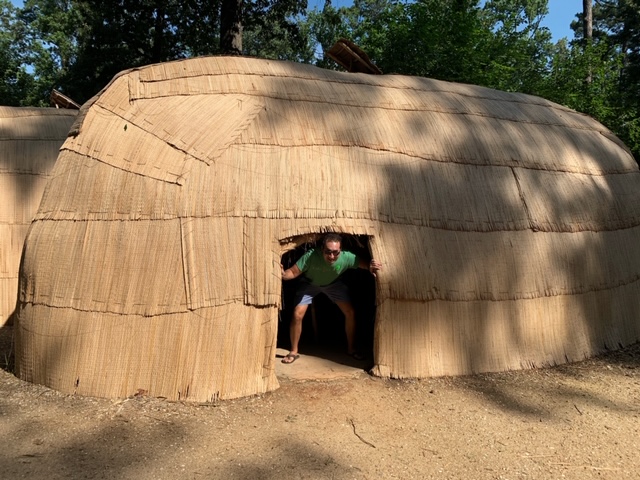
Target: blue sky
(561, 13)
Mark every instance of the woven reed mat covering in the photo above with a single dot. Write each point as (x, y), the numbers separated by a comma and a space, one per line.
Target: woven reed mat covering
(507, 225)
(29, 142)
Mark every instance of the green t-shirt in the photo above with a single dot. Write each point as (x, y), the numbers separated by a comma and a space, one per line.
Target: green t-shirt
(319, 272)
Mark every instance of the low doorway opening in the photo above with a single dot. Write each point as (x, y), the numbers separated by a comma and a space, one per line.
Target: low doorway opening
(323, 333)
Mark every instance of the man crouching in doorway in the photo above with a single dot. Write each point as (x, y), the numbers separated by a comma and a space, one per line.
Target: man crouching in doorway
(322, 268)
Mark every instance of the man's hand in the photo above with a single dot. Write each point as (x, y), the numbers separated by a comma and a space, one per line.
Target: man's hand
(374, 267)
(290, 273)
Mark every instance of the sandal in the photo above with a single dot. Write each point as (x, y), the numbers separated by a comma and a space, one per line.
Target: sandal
(290, 358)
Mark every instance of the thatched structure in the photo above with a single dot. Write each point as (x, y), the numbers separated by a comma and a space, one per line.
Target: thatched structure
(508, 227)
(30, 139)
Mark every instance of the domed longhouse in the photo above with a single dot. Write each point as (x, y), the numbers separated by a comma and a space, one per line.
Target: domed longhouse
(30, 139)
(508, 227)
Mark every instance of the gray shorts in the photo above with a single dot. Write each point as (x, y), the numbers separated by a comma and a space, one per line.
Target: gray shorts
(336, 291)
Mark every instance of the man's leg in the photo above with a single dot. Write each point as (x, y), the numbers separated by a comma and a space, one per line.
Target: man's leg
(295, 329)
(304, 297)
(349, 325)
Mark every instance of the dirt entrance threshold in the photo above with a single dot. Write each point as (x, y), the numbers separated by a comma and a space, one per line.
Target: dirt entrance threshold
(316, 364)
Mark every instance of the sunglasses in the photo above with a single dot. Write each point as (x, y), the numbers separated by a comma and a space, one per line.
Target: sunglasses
(332, 252)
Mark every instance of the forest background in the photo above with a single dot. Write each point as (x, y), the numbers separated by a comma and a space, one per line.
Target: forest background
(77, 46)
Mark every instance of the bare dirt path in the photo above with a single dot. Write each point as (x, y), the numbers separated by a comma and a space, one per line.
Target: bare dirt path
(579, 421)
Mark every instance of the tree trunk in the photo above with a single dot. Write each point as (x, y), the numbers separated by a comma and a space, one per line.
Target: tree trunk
(587, 26)
(157, 52)
(231, 27)
(587, 22)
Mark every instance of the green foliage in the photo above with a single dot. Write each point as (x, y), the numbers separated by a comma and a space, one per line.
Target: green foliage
(430, 38)
(120, 35)
(274, 22)
(48, 44)
(500, 44)
(277, 30)
(77, 46)
(518, 49)
(612, 65)
(324, 28)
(15, 81)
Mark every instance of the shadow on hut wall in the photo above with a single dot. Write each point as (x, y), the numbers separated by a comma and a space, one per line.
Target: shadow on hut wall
(470, 253)
(323, 332)
(597, 214)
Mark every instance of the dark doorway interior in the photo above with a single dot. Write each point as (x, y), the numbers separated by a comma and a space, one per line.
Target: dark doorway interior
(328, 337)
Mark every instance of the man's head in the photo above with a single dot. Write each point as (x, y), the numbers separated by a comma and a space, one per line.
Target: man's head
(331, 247)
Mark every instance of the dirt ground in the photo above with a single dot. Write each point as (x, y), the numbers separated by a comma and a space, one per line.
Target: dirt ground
(577, 421)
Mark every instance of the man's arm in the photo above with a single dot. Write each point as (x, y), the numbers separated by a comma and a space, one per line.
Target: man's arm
(290, 273)
(373, 266)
